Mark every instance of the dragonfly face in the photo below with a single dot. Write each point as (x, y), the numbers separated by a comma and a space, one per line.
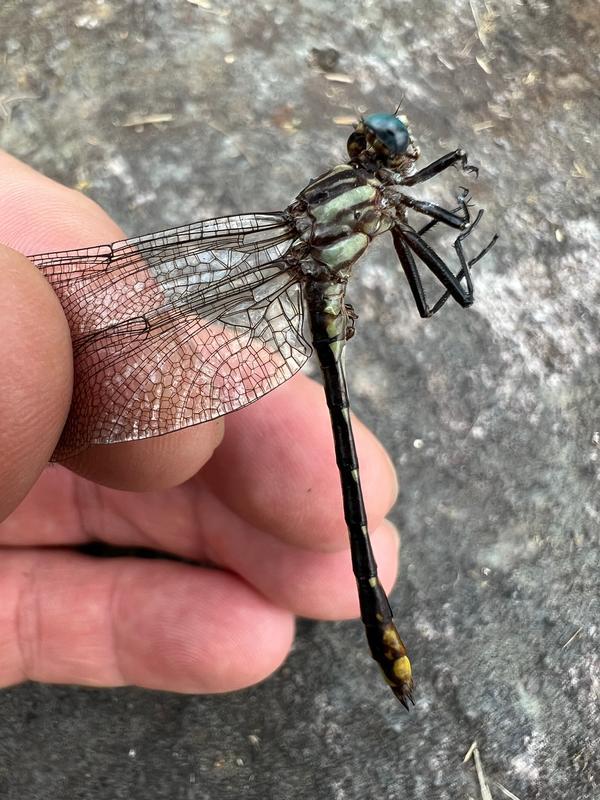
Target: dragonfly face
(384, 140)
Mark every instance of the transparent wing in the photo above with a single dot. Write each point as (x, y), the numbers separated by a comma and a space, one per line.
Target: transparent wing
(178, 327)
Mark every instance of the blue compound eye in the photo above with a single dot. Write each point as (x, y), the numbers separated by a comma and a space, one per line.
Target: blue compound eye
(389, 130)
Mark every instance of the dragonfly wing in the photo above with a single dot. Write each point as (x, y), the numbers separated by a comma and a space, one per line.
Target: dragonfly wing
(177, 328)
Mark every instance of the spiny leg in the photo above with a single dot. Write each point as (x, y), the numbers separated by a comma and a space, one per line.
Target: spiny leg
(430, 170)
(485, 250)
(351, 317)
(439, 165)
(438, 213)
(463, 199)
(410, 267)
(465, 265)
(432, 261)
(412, 273)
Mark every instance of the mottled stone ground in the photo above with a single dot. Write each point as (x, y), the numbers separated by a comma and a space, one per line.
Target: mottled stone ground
(491, 416)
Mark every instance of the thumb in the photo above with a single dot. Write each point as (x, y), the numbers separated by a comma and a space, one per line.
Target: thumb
(35, 376)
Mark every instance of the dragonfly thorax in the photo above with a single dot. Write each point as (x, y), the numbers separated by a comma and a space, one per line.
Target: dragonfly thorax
(338, 214)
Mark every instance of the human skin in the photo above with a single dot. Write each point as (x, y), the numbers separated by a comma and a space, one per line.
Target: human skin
(252, 499)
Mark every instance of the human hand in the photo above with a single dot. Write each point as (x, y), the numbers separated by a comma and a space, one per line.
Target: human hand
(258, 509)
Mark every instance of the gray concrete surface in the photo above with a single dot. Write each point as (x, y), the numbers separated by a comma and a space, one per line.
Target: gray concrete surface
(491, 416)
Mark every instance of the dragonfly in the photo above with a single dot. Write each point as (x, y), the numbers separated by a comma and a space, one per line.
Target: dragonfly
(176, 328)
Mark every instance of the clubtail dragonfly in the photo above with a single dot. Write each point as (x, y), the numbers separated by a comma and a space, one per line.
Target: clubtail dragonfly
(182, 326)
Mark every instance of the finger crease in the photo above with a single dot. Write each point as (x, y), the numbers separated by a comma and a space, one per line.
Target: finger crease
(28, 627)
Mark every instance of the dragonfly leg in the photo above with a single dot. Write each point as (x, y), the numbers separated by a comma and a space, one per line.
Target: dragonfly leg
(406, 238)
(437, 166)
(463, 199)
(351, 317)
(412, 273)
(465, 265)
(438, 213)
(410, 268)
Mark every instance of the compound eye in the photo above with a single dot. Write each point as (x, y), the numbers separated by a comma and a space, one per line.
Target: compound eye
(356, 144)
(390, 131)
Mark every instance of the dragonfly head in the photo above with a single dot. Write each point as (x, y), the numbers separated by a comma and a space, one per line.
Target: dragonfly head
(384, 139)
